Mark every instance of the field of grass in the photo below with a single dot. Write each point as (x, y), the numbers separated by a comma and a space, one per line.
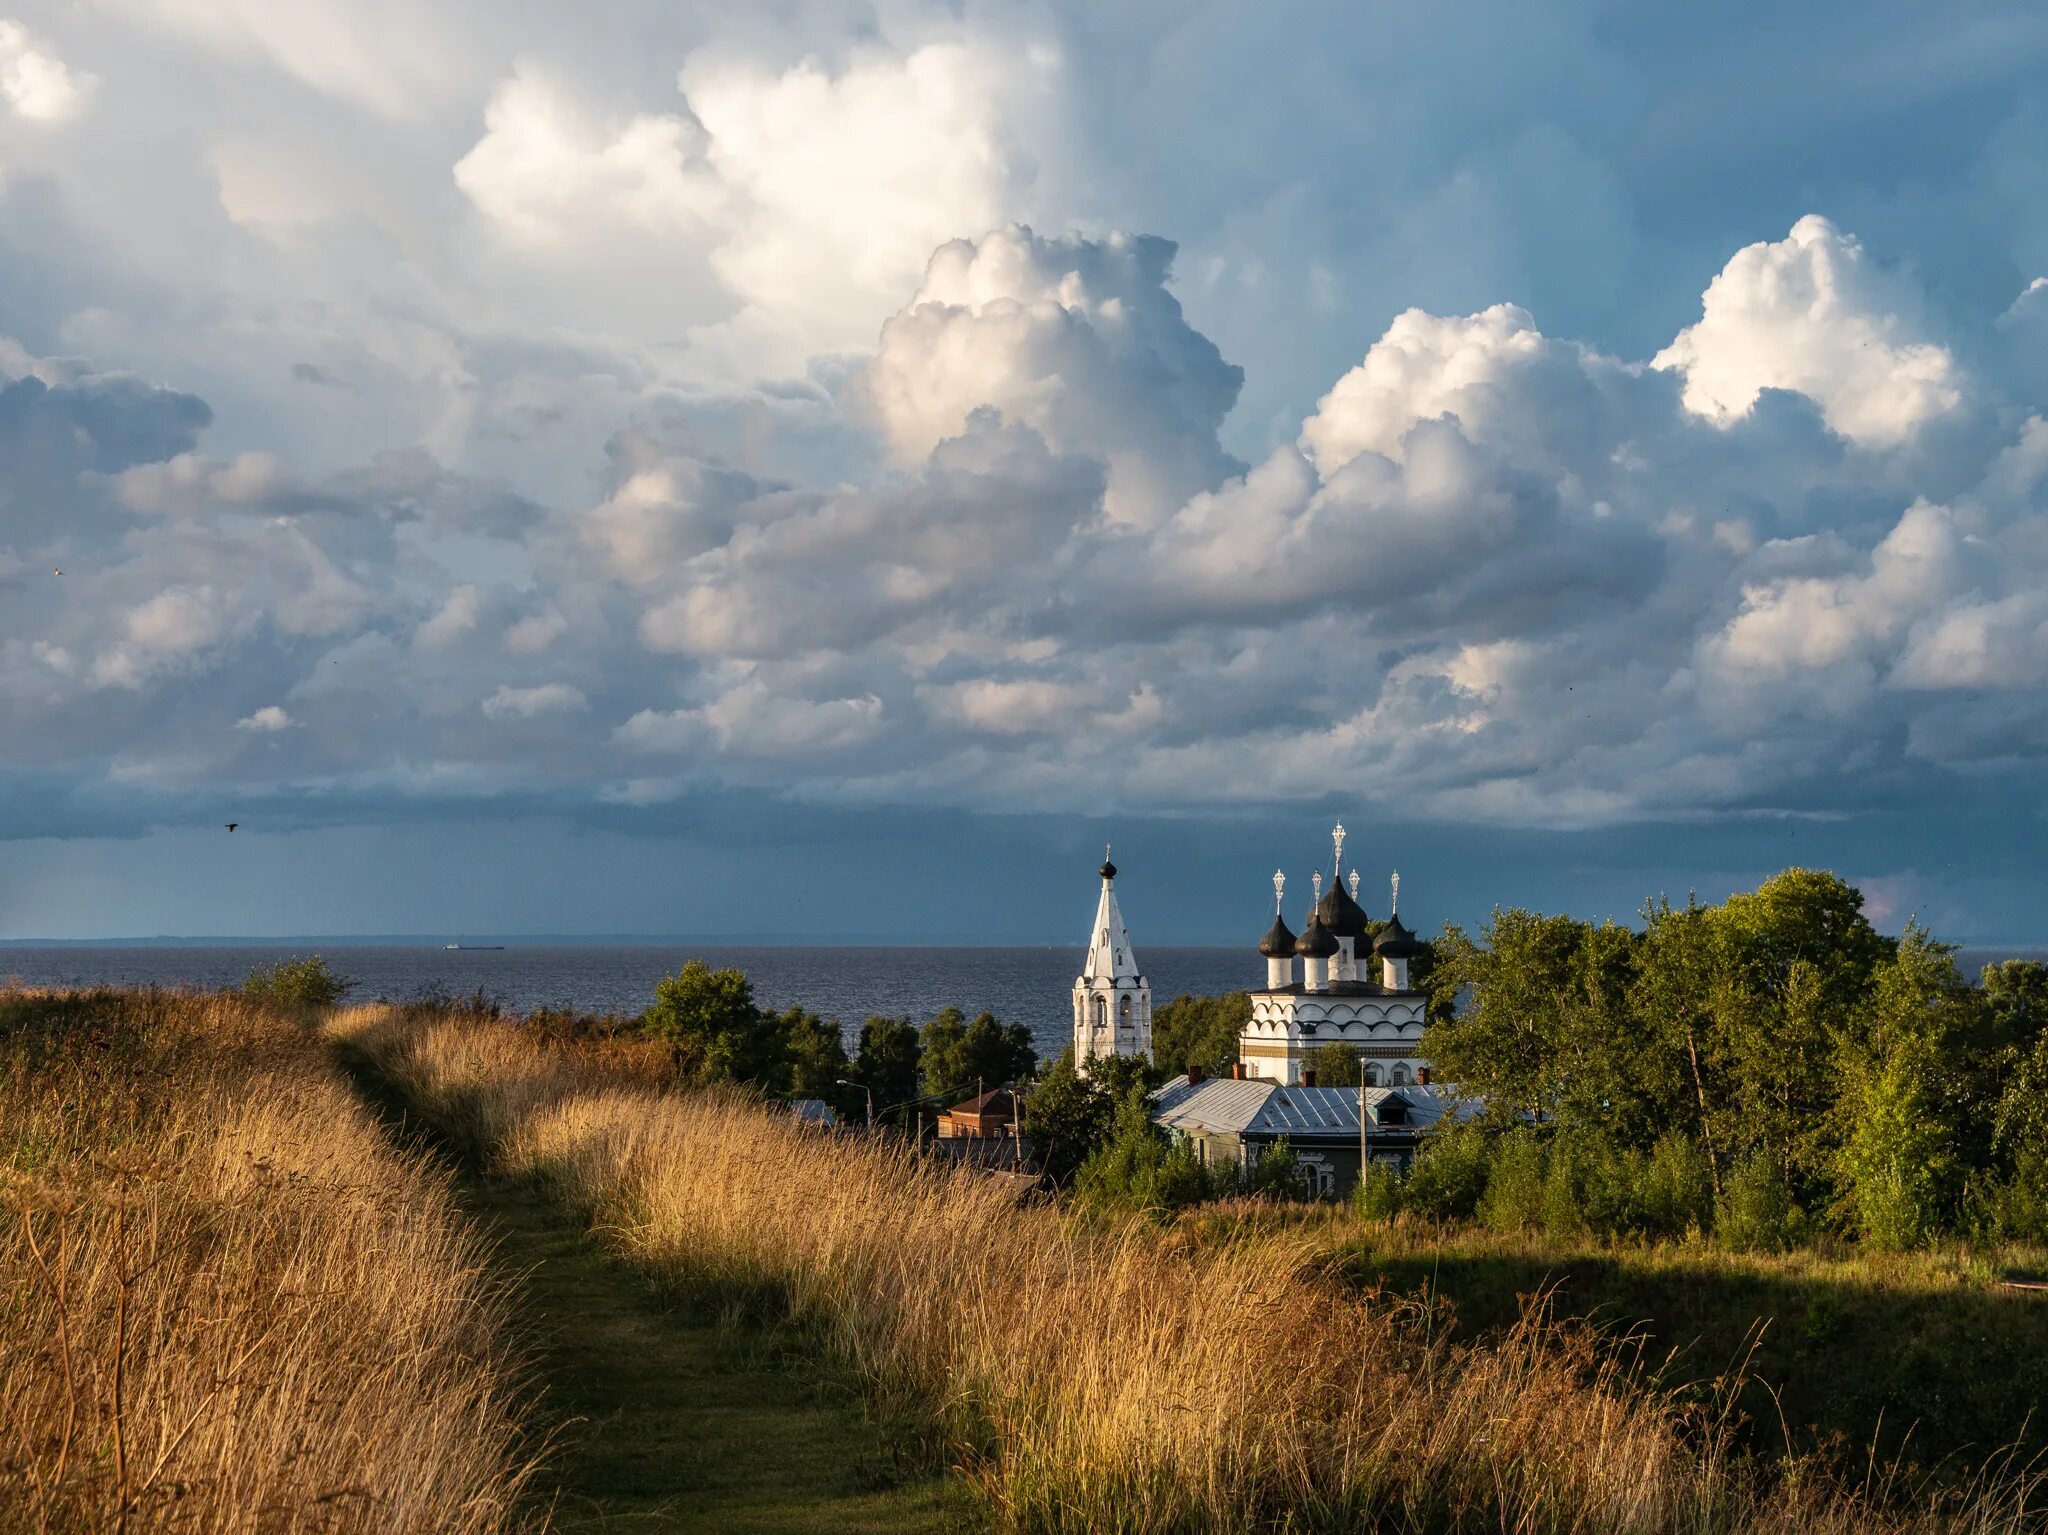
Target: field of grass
(227, 1303)
(1926, 1354)
(1096, 1376)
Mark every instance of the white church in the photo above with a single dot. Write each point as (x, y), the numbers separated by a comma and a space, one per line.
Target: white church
(1335, 982)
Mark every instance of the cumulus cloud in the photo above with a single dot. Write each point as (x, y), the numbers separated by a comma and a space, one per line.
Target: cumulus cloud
(548, 173)
(1079, 339)
(814, 192)
(34, 82)
(1811, 313)
(1495, 574)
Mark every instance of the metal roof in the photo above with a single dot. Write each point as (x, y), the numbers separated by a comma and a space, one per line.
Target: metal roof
(1261, 1107)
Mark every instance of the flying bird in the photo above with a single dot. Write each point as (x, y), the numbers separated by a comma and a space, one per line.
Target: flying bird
(233, 824)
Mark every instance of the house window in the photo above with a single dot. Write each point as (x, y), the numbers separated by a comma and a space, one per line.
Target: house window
(1400, 1076)
(1372, 1076)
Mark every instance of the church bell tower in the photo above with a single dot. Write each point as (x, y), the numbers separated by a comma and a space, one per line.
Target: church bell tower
(1112, 1000)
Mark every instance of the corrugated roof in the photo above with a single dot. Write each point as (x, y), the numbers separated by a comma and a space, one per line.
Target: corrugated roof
(1265, 1107)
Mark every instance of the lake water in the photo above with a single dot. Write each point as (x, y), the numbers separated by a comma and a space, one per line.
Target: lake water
(1029, 985)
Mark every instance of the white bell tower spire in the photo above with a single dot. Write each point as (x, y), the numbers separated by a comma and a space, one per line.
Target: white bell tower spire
(1112, 999)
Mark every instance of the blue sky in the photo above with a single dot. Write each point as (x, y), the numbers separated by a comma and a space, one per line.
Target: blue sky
(819, 471)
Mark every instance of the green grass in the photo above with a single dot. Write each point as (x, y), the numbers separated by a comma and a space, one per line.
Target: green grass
(1923, 1353)
(667, 1415)
(676, 1421)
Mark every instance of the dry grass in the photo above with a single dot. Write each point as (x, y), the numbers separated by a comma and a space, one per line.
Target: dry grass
(229, 1303)
(1097, 1378)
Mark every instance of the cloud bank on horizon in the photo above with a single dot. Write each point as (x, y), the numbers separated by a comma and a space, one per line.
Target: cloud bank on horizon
(419, 406)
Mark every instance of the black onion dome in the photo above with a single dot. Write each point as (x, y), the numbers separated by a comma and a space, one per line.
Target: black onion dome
(1344, 917)
(1279, 940)
(1108, 869)
(1315, 941)
(1395, 941)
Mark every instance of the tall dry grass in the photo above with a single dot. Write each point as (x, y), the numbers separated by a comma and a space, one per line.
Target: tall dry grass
(227, 1303)
(1115, 1378)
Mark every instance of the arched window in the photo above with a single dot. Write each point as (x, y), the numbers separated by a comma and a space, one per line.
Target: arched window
(1101, 1011)
(1123, 1013)
(1372, 1076)
(1400, 1076)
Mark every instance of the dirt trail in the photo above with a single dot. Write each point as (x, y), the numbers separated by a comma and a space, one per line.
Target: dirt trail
(668, 1421)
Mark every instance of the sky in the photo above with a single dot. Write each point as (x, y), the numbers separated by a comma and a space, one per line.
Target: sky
(818, 471)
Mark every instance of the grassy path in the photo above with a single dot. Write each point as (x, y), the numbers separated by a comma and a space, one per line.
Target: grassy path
(664, 1420)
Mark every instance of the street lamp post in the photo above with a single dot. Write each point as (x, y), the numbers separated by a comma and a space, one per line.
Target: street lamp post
(842, 1082)
(1364, 1141)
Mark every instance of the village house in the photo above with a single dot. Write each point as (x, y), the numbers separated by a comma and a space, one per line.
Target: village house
(1236, 1120)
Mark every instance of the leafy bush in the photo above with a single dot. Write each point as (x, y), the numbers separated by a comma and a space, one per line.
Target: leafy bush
(1755, 1214)
(1379, 1194)
(2013, 1208)
(1514, 1184)
(1449, 1175)
(296, 985)
(1678, 1187)
(1136, 1169)
(1564, 1212)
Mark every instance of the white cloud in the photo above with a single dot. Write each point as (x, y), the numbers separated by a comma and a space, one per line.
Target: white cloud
(1811, 313)
(34, 82)
(267, 720)
(1423, 367)
(549, 173)
(1079, 339)
(511, 703)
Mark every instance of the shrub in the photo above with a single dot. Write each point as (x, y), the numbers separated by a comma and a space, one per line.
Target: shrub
(1678, 1187)
(1514, 1184)
(1378, 1196)
(2013, 1208)
(1564, 1213)
(1755, 1214)
(296, 985)
(1135, 1169)
(1449, 1174)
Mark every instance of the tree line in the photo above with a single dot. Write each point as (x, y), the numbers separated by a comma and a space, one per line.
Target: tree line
(718, 1033)
(1773, 1063)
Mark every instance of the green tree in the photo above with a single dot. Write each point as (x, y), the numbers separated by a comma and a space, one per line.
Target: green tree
(1066, 1117)
(709, 1022)
(1677, 971)
(1448, 1176)
(1897, 1159)
(1127, 1169)
(885, 1063)
(1335, 1064)
(1796, 962)
(1118, 1075)
(1513, 1200)
(813, 1057)
(1200, 1031)
(1508, 1042)
(962, 1058)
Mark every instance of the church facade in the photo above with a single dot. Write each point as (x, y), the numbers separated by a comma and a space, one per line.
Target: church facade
(1337, 982)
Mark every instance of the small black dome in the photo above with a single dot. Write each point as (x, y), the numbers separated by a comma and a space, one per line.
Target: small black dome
(1279, 940)
(1315, 941)
(1344, 917)
(1395, 941)
(1108, 869)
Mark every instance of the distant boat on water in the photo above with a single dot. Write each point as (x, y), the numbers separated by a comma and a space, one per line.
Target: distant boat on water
(472, 947)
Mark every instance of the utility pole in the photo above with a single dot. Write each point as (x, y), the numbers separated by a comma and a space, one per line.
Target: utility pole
(1364, 1142)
